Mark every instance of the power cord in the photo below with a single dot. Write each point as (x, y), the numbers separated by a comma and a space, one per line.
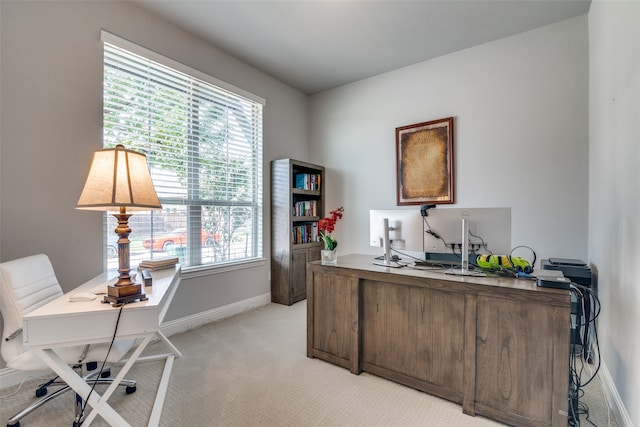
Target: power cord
(484, 245)
(80, 417)
(433, 266)
(577, 365)
(431, 232)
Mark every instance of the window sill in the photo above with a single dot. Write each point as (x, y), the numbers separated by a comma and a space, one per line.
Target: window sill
(207, 270)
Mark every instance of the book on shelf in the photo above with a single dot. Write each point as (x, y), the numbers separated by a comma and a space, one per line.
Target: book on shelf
(157, 264)
(308, 181)
(305, 208)
(305, 233)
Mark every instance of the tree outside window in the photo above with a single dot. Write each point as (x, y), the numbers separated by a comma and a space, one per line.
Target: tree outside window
(204, 148)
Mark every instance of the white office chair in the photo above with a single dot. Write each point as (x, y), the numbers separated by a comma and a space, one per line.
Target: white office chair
(25, 285)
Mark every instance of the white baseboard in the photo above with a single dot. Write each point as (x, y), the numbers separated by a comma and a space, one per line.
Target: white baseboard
(11, 377)
(195, 321)
(613, 398)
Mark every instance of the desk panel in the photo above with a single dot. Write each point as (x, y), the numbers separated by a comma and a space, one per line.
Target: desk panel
(498, 346)
(415, 332)
(61, 322)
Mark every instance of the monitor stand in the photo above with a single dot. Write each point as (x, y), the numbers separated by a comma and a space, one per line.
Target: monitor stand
(386, 260)
(464, 255)
(392, 264)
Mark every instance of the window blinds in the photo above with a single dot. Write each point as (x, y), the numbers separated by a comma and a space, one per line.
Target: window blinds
(203, 143)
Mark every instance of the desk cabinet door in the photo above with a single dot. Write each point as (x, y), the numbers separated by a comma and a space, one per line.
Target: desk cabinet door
(414, 335)
(517, 354)
(333, 318)
(300, 258)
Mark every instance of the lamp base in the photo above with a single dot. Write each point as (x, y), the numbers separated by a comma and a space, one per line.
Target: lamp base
(124, 294)
(124, 300)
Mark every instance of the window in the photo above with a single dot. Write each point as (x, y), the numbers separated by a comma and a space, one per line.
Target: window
(203, 141)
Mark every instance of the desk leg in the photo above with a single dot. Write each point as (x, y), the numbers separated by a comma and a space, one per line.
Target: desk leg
(161, 394)
(174, 351)
(470, 361)
(169, 344)
(98, 406)
(154, 419)
(78, 385)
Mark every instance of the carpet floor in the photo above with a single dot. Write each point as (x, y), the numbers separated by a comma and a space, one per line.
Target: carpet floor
(252, 370)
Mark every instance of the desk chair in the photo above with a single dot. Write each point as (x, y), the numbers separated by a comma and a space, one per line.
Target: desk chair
(25, 285)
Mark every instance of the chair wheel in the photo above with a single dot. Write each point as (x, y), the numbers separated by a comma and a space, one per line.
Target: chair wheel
(40, 392)
(106, 373)
(130, 389)
(17, 424)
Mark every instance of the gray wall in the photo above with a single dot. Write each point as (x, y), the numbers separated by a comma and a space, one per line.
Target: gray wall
(520, 107)
(51, 103)
(522, 141)
(614, 191)
(546, 123)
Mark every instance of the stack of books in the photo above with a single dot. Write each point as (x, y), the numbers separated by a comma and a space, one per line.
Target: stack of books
(158, 264)
(305, 233)
(308, 181)
(305, 208)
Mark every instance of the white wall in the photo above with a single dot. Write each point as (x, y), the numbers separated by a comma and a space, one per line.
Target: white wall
(520, 106)
(614, 190)
(51, 83)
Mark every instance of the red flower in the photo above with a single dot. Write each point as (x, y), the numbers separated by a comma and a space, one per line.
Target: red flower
(327, 225)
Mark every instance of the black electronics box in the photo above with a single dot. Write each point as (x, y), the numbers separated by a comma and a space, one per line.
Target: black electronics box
(553, 282)
(577, 272)
(146, 277)
(573, 269)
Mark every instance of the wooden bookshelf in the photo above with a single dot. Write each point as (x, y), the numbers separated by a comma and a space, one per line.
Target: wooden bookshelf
(297, 204)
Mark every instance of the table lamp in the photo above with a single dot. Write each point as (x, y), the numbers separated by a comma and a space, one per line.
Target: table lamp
(119, 180)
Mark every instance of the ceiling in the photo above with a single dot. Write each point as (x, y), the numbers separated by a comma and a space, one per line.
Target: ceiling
(318, 45)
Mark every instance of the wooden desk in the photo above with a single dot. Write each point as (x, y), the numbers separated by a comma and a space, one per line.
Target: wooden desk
(498, 346)
(63, 323)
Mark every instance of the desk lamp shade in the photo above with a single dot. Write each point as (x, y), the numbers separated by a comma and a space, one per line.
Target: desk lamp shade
(118, 180)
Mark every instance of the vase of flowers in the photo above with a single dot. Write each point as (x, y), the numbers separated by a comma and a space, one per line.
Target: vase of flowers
(326, 227)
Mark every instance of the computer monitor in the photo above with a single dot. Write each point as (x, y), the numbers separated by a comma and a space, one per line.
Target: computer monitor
(489, 231)
(399, 229)
(405, 229)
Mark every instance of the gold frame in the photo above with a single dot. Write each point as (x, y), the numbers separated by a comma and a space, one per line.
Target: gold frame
(424, 153)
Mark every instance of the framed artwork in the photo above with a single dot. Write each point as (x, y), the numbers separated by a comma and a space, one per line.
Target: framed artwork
(424, 153)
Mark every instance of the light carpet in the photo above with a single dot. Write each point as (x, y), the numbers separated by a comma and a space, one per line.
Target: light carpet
(252, 370)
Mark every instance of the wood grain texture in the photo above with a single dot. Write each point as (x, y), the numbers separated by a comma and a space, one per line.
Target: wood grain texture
(499, 347)
(288, 260)
(416, 332)
(514, 358)
(332, 315)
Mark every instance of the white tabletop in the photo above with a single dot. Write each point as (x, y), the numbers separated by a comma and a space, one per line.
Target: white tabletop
(62, 322)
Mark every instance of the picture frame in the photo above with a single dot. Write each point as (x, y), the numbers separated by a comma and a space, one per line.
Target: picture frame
(425, 166)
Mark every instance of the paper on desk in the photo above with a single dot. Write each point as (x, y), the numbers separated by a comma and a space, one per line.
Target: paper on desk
(100, 289)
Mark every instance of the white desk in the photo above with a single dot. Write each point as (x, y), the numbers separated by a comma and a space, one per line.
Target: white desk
(63, 323)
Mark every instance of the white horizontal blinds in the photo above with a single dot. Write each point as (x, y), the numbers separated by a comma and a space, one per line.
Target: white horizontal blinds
(203, 144)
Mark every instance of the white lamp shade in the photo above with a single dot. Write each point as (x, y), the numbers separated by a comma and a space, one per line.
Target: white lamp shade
(118, 178)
